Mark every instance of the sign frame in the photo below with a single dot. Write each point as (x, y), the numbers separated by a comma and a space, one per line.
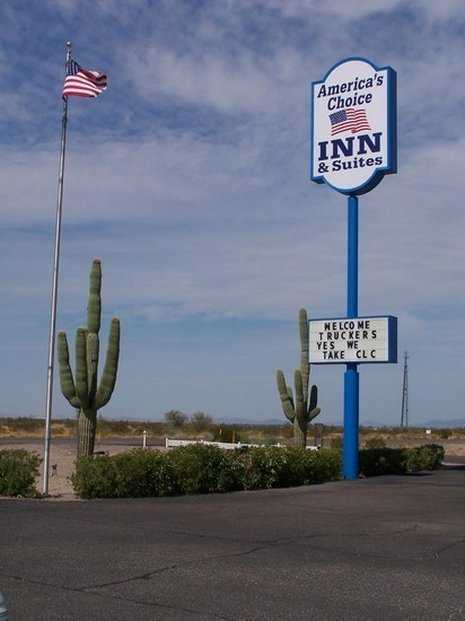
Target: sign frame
(391, 120)
(392, 340)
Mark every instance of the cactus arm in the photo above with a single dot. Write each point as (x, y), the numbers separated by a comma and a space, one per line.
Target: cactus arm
(66, 375)
(81, 367)
(291, 396)
(300, 412)
(94, 306)
(108, 379)
(304, 359)
(93, 347)
(286, 401)
(313, 401)
(313, 410)
(313, 413)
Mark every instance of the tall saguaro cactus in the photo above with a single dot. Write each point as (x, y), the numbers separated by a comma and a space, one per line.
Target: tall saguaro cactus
(85, 393)
(303, 408)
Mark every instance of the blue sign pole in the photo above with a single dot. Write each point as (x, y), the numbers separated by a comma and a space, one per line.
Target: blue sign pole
(351, 377)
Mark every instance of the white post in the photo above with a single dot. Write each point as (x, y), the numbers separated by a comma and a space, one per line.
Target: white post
(144, 439)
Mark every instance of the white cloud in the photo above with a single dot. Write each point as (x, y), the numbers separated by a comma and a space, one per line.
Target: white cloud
(207, 79)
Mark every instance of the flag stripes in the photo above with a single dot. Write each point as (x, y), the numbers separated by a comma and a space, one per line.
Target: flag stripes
(351, 119)
(81, 82)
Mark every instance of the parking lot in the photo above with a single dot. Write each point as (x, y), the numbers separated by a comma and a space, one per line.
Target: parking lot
(383, 548)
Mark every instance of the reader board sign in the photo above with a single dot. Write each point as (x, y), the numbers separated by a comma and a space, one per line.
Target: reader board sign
(359, 340)
(354, 133)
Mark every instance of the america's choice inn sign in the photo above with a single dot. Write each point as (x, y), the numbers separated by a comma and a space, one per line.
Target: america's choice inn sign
(354, 126)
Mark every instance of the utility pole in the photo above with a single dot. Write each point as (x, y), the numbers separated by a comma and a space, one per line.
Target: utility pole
(404, 413)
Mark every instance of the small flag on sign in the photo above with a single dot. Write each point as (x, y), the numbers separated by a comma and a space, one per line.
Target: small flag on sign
(81, 82)
(352, 120)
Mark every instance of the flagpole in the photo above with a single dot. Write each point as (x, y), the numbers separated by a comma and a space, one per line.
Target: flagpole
(53, 306)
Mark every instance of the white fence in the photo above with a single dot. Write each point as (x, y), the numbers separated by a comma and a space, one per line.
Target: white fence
(171, 443)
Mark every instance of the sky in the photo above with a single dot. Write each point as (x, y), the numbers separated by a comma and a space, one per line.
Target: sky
(189, 178)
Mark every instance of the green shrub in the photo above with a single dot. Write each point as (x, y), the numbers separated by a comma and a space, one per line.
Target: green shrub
(134, 474)
(437, 454)
(18, 472)
(95, 477)
(264, 468)
(200, 469)
(375, 462)
(323, 465)
(142, 473)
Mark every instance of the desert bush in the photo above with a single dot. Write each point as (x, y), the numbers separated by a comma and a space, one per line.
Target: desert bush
(175, 418)
(375, 442)
(18, 471)
(107, 427)
(201, 421)
(226, 433)
(22, 423)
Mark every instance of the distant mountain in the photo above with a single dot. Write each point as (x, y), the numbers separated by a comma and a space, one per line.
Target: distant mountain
(452, 422)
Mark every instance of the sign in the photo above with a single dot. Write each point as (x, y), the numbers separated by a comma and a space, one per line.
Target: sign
(360, 340)
(354, 133)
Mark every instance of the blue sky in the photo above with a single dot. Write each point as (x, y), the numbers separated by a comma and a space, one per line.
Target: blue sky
(188, 177)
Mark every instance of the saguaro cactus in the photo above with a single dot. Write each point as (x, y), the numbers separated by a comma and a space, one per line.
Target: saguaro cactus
(86, 394)
(303, 408)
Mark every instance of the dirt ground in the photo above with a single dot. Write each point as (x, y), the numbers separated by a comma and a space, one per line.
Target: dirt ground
(63, 455)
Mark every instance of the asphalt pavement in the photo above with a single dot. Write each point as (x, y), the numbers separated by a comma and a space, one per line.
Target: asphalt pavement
(383, 548)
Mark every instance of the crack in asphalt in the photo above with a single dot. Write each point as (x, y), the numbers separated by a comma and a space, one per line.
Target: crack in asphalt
(448, 547)
(110, 595)
(148, 575)
(294, 540)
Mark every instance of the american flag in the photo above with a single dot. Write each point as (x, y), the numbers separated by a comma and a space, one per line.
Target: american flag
(81, 82)
(352, 119)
